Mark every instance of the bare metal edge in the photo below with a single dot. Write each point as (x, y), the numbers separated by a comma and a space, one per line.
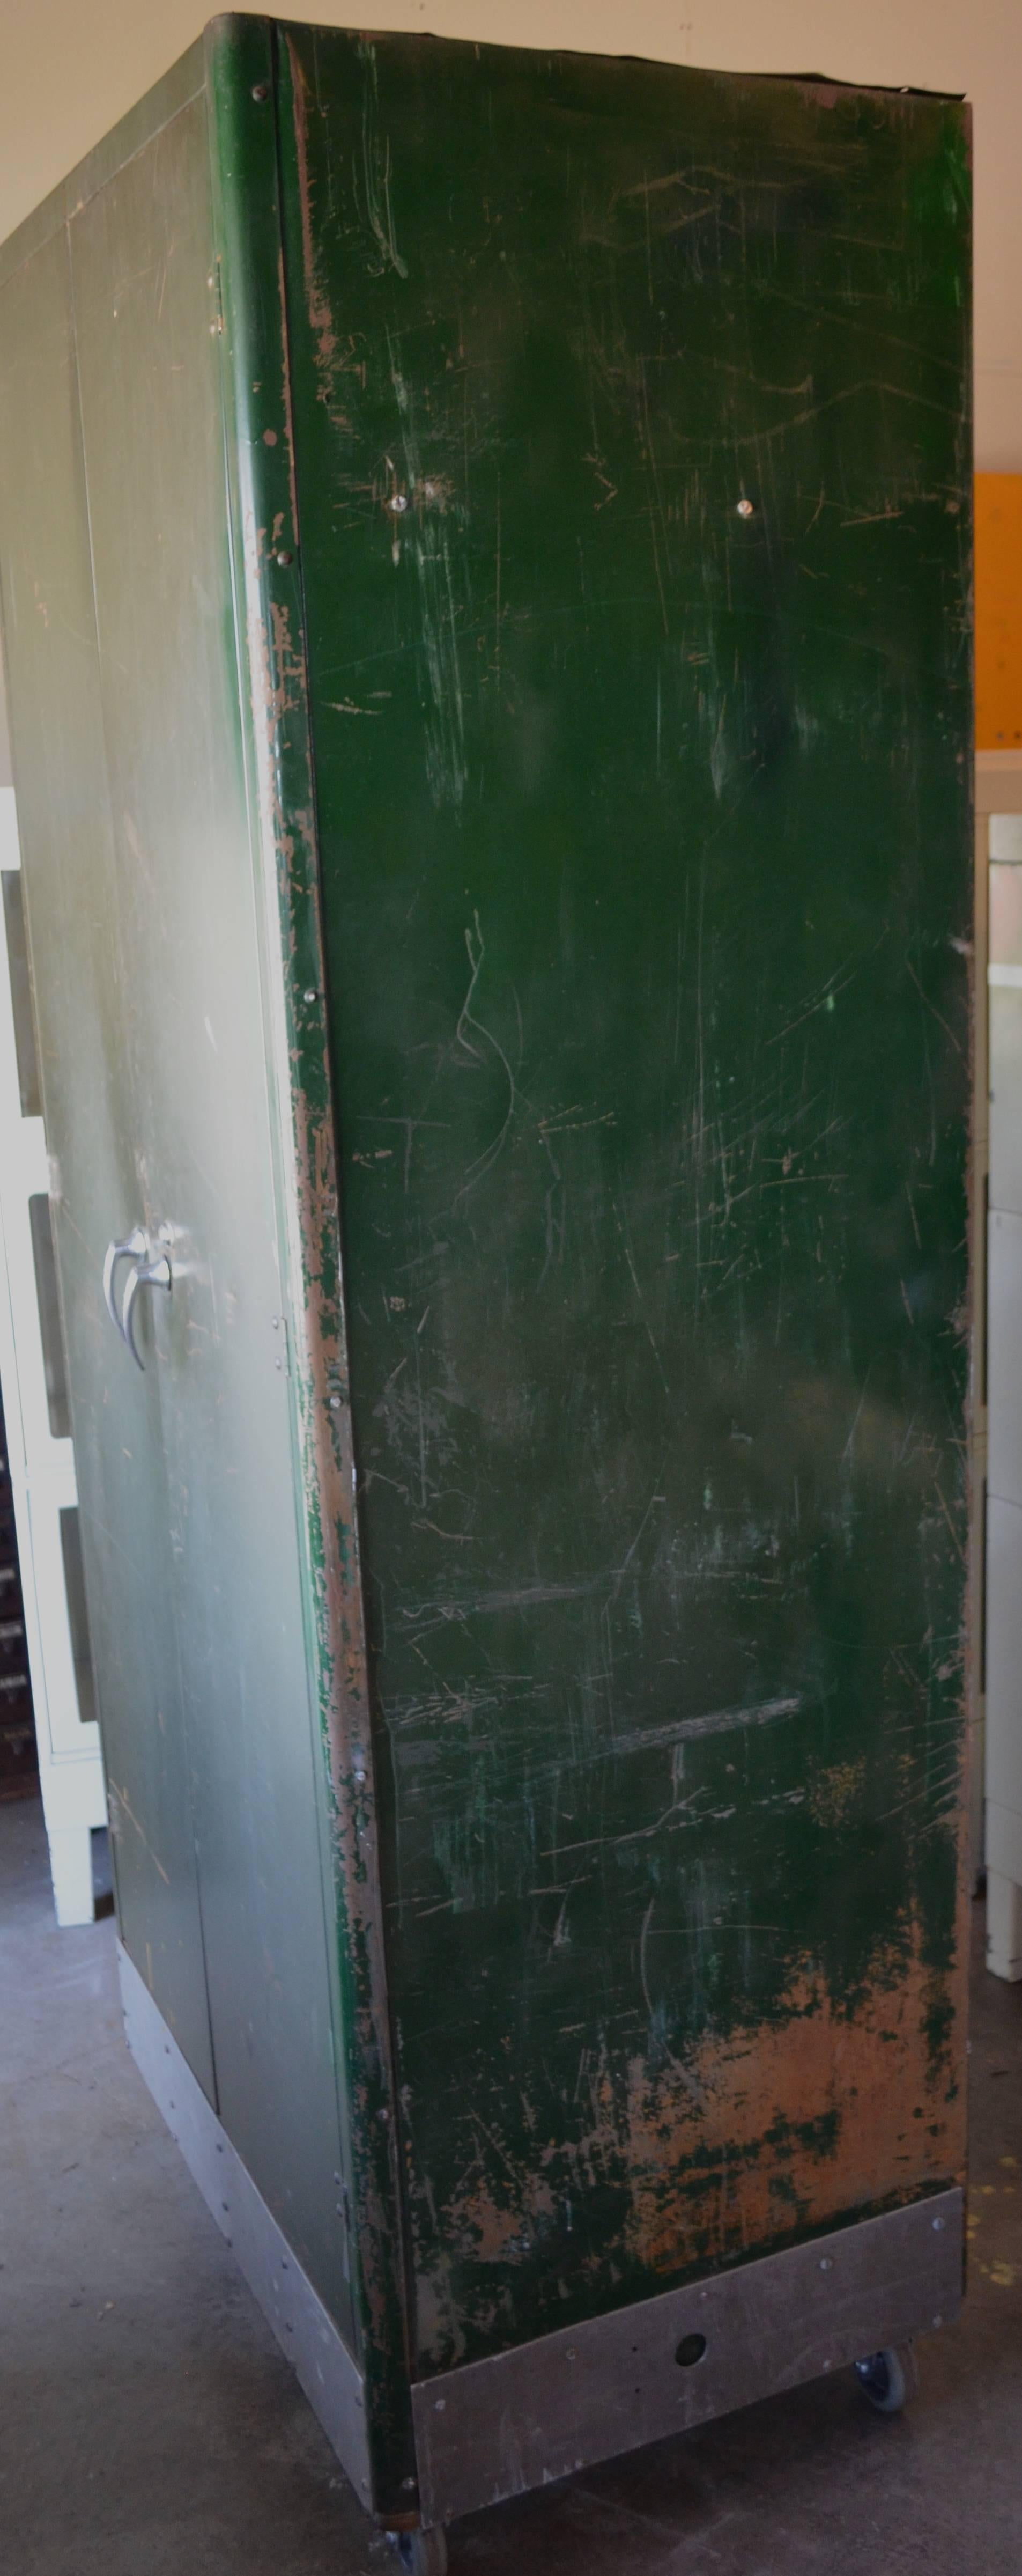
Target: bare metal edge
(585, 2394)
(318, 2356)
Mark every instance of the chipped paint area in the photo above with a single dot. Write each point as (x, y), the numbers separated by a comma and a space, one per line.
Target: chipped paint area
(757, 2138)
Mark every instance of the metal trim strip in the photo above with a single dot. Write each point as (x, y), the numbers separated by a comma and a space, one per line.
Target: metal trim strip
(589, 2392)
(304, 2330)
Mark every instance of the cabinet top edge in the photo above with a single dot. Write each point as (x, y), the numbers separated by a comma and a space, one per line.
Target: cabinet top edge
(186, 78)
(173, 91)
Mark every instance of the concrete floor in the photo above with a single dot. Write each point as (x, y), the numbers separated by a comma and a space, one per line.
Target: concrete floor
(150, 2427)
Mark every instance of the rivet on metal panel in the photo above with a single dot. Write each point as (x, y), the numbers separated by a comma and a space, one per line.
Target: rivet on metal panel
(334, 1403)
(260, 90)
(439, 2405)
(310, 994)
(826, 2263)
(745, 508)
(284, 556)
(570, 2356)
(937, 2225)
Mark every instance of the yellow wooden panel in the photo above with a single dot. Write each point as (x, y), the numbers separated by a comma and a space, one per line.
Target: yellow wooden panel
(998, 611)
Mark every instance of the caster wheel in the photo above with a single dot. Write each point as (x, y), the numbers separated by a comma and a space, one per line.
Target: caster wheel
(887, 2378)
(423, 2553)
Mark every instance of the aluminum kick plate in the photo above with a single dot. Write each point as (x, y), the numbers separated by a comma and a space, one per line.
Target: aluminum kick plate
(306, 2333)
(589, 2392)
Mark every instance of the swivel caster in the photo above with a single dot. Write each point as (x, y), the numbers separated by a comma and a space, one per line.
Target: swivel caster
(888, 2378)
(422, 2553)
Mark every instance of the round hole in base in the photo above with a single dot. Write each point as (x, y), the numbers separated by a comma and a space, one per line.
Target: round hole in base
(690, 2350)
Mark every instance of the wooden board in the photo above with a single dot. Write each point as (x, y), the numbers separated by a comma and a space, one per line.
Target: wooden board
(998, 612)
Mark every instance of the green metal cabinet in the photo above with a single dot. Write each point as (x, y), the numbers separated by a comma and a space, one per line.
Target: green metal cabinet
(484, 542)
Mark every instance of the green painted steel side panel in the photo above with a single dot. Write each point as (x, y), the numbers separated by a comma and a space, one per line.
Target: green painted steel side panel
(632, 474)
(156, 1077)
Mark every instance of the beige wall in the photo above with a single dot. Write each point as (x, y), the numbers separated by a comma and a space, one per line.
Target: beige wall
(70, 71)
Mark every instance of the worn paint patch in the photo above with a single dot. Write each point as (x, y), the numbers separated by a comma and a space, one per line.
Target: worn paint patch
(767, 2133)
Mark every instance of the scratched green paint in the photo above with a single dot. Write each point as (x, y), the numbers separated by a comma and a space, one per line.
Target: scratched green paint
(644, 832)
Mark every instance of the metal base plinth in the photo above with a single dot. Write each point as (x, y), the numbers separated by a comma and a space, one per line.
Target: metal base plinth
(588, 2392)
(591, 2391)
(319, 2358)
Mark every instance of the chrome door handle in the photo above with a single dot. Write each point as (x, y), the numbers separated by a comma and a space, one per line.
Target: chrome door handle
(133, 1244)
(145, 1274)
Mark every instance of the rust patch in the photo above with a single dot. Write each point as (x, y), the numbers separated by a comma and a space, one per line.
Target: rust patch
(328, 356)
(834, 1796)
(768, 2133)
(818, 2114)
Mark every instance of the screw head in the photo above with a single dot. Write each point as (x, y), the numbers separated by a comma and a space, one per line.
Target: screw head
(745, 508)
(260, 90)
(826, 2262)
(937, 2225)
(335, 1403)
(398, 501)
(310, 994)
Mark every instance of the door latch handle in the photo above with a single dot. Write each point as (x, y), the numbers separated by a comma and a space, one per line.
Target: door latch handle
(133, 1244)
(142, 1274)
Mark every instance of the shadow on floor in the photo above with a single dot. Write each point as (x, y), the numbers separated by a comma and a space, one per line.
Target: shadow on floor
(149, 2425)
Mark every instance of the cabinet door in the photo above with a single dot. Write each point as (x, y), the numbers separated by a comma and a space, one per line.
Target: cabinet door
(92, 1041)
(193, 1453)
(631, 416)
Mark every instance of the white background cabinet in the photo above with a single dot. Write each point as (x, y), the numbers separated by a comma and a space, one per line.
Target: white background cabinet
(41, 1455)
